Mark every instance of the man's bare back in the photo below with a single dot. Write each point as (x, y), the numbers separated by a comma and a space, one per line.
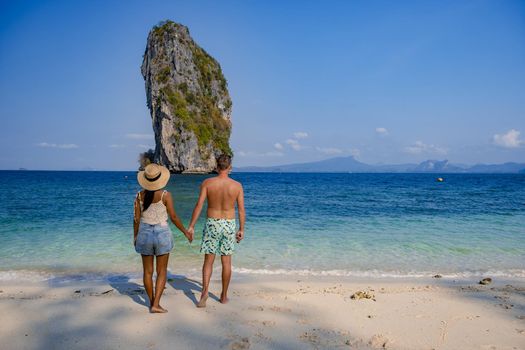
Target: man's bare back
(221, 195)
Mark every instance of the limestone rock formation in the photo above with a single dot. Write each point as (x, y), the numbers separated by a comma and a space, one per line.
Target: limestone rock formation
(188, 99)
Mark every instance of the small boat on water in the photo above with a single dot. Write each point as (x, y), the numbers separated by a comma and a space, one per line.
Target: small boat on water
(440, 179)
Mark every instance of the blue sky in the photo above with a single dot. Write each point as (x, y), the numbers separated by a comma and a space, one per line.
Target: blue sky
(385, 81)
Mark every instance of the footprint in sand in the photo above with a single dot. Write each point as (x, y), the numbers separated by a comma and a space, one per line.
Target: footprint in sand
(260, 335)
(310, 337)
(327, 338)
(240, 344)
(256, 308)
(267, 323)
(379, 341)
(280, 309)
(303, 321)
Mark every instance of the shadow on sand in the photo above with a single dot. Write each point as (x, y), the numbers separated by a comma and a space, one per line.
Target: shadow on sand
(136, 292)
(124, 286)
(188, 286)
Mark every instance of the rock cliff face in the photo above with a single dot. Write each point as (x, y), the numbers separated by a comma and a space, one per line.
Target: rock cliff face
(188, 99)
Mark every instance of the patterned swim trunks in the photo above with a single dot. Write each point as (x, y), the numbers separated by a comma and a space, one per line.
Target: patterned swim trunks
(219, 237)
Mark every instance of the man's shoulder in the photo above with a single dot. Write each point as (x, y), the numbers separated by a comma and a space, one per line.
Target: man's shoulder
(208, 181)
(235, 183)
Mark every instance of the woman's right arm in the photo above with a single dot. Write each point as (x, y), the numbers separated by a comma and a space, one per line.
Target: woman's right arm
(136, 219)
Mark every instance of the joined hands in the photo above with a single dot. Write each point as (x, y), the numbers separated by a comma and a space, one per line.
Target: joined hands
(189, 234)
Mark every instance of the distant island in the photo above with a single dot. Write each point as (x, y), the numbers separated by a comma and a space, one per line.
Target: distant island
(351, 165)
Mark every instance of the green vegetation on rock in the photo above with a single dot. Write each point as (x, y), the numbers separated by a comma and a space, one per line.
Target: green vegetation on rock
(164, 27)
(164, 75)
(207, 123)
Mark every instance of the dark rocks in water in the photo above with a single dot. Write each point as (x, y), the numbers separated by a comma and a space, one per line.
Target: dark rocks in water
(188, 100)
(437, 276)
(486, 281)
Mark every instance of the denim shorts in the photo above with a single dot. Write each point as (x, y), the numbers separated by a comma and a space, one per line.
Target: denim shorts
(154, 239)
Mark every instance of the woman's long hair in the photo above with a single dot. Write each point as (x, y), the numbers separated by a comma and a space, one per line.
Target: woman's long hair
(148, 198)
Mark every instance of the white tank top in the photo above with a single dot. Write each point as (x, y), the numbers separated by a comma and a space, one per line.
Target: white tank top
(156, 212)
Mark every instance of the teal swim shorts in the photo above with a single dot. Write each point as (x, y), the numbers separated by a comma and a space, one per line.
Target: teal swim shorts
(219, 237)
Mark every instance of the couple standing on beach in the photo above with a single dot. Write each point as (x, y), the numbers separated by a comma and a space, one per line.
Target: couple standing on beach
(153, 239)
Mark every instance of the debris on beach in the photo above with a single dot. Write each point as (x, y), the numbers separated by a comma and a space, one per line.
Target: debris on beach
(363, 295)
(106, 292)
(486, 281)
(77, 291)
(437, 276)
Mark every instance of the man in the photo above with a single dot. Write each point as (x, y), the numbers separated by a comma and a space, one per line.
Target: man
(219, 235)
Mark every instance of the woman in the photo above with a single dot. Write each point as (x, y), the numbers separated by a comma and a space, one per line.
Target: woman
(151, 234)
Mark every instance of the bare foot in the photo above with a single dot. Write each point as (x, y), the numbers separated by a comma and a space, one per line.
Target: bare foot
(224, 299)
(158, 310)
(202, 302)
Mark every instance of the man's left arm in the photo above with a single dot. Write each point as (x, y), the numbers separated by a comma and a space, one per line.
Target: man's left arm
(242, 215)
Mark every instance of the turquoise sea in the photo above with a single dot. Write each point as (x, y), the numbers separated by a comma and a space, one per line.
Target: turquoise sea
(78, 225)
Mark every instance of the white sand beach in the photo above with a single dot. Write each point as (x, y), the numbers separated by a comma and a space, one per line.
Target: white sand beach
(267, 312)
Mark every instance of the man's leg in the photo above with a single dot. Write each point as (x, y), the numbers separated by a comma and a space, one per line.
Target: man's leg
(207, 269)
(226, 261)
(160, 283)
(147, 265)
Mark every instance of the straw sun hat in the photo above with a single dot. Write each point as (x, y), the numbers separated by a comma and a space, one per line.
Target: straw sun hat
(154, 177)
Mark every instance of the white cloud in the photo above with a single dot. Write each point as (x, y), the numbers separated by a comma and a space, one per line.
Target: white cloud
(55, 145)
(300, 135)
(354, 152)
(420, 148)
(511, 139)
(116, 146)
(296, 146)
(144, 146)
(329, 150)
(139, 136)
(278, 146)
(382, 131)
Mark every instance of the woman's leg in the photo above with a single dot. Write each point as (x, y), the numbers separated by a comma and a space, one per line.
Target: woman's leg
(160, 283)
(147, 266)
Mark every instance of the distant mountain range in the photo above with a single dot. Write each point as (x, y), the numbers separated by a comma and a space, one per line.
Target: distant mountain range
(351, 165)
